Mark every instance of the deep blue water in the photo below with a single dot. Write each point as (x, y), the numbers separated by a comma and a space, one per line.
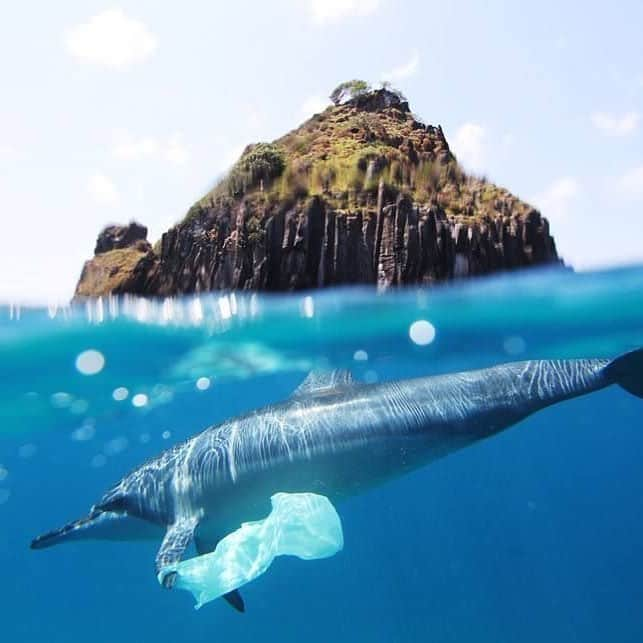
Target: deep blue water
(535, 534)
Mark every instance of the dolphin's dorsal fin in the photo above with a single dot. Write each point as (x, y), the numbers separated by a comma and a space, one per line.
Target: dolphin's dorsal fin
(323, 381)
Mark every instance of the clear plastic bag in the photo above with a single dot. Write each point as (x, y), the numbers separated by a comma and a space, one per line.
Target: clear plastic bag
(305, 525)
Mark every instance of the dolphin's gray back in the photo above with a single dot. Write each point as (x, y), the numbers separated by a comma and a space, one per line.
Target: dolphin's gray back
(340, 440)
(472, 404)
(481, 402)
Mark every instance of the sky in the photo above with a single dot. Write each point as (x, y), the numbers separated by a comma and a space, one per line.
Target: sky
(113, 112)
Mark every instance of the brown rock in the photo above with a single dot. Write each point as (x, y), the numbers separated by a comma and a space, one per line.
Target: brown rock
(116, 236)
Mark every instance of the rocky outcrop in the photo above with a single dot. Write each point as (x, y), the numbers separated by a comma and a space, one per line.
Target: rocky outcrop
(314, 246)
(363, 193)
(115, 237)
(124, 262)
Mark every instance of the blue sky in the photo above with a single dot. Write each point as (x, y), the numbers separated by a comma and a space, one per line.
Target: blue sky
(112, 112)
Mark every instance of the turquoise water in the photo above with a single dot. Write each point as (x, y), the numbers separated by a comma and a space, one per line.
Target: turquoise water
(534, 534)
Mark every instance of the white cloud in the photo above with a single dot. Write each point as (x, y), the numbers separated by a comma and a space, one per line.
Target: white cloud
(172, 150)
(102, 189)
(334, 10)
(507, 142)
(631, 183)
(314, 105)
(254, 117)
(469, 145)
(561, 42)
(111, 39)
(405, 70)
(557, 199)
(8, 154)
(616, 125)
(127, 149)
(176, 151)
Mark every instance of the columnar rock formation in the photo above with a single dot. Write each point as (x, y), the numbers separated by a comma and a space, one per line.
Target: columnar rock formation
(312, 246)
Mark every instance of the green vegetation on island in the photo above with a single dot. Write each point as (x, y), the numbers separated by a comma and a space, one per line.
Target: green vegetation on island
(365, 142)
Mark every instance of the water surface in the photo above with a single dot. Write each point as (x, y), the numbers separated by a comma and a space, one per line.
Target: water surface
(535, 534)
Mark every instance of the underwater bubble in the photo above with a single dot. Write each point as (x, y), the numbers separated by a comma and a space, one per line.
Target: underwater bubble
(165, 396)
(360, 356)
(78, 407)
(144, 438)
(27, 450)
(166, 435)
(196, 311)
(142, 310)
(90, 362)
(120, 393)
(83, 433)
(98, 461)
(422, 332)
(203, 383)
(224, 307)
(514, 345)
(3, 473)
(4, 495)
(254, 305)
(60, 400)
(112, 304)
(159, 389)
(139, 400)
(308, 307)
(370, 377)
(116, 446)
(167, 310)
(162, 394)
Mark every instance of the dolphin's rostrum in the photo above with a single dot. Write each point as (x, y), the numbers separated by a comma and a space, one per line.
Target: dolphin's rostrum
(333, 437)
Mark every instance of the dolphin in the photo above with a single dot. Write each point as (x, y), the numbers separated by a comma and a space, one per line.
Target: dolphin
(333, 437)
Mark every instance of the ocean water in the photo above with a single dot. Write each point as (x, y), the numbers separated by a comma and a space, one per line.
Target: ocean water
(535, 534)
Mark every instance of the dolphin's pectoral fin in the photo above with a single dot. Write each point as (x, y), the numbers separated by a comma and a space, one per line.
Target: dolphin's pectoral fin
(234, 597)
(177, 538)
(169, 580)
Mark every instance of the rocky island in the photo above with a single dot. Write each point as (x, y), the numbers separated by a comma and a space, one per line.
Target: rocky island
(362, 193)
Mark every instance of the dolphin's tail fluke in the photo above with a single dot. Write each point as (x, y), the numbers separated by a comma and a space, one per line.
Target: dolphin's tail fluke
(627, 372)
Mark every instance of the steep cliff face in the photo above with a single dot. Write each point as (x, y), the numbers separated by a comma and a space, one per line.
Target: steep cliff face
(361, 194)
(313, 245)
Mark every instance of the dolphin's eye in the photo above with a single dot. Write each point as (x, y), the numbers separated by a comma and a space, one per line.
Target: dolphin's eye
(116, 503)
